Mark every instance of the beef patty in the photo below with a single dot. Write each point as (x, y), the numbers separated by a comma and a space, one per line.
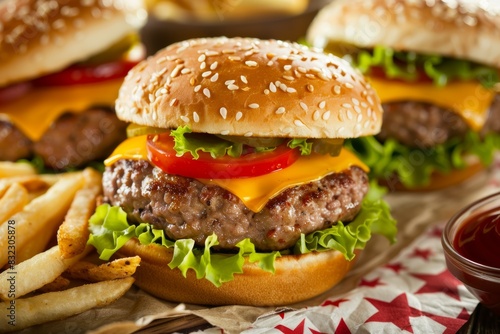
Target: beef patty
(187, 208)
(72, 141)
(424, 125)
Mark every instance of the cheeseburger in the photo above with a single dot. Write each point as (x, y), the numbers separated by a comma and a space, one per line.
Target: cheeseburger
(61, 65)
(434, 65)
(233, 186)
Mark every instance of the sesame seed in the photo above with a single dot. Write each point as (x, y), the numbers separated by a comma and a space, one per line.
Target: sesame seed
(253, 105)
(234, 58)
(355, 101)
(337, 89)
(203, 66)
(316, 115)
(370, 100)
(244, 79)
(288, 77)
(359, 118)
(272, 87)
(176, 71)
(348, 85)
(185, 119)
(248, 134)
(184, 70)
(302, 70)
(357, 109)
(298, 123)
(310, 88)
(322, 104)
(197, 88)
(251, 63)
(206, 74)
(346, 105)
(196, 117)
(233, 87)
(229, 82)
(287, 67)
(211, 53)
(202, 58)
(223, 112)
(239, 115)
(266, 91)
(349, 115)
(291, 90)
(206, 92)
(224, 132)
(214, 77)
(283, 87)
(214, 66)
(173, 102)
(280, 110)
(303, 106)
(270, 63)
(326, 115)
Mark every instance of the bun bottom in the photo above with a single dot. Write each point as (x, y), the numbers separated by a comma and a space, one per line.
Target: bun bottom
(438, 180)
(297, 278)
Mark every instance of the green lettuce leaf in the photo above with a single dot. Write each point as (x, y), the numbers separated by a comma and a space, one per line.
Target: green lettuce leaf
(414, 166)
(188, 142)
(110, 230)
(408, 65)
(304, 146)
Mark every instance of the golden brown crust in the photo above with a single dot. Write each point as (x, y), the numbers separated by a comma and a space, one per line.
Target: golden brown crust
(250, 87)
(297, 278)
(42, 37)
(465, 29)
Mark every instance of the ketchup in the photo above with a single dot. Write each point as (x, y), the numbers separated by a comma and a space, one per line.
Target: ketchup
(478, 239)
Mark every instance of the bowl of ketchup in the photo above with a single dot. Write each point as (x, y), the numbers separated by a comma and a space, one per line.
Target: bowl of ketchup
(471, 243)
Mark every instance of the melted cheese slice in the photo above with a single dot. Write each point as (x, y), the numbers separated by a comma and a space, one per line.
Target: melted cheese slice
(255, 192)
(469, 99)
(35, 112)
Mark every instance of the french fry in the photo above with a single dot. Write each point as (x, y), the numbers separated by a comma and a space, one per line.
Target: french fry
(35, 272)
(8, 169)
(119, 268)
(73, 233)
(45, 211)
(62, 304)
(32, 182)
(60, 283)
(14, 199)
(35, 245)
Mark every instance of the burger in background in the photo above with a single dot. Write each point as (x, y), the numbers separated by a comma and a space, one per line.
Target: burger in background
(61, 65)
(233, 186)
(172, 21)
(434, 65)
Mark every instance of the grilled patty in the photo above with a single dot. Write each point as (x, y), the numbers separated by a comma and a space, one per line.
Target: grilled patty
(186, 208)
(424, 125)
(72, 141)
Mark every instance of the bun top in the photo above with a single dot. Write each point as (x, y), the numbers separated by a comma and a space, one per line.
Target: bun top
(250, 87)
(40, 37)
(463, 29)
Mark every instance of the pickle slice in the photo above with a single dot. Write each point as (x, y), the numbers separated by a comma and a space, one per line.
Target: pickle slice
(254, 141)
(331, 146)
(134, 130)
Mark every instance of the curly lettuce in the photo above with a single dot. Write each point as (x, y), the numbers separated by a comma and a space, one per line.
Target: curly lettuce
(110, 230)
(414, 166)
(409, 65)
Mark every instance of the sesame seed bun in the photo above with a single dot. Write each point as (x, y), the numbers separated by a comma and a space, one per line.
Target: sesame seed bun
(464, 29)
(297, 278)
(250, 87)
(37, 38)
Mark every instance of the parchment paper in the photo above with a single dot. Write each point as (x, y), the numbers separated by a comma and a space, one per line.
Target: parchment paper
(415, 212)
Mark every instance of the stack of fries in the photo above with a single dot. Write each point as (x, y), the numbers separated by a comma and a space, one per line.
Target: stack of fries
(43, 281)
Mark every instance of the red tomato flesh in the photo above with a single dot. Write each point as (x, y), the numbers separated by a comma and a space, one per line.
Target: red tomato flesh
(13, 92)
(77, 75)
(162, 154)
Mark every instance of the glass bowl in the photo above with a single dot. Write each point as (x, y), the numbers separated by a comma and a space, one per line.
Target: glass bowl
(482, 280)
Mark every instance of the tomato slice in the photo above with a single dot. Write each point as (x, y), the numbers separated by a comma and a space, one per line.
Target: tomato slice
(161, 153)
(13, 92)
(78, 74)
